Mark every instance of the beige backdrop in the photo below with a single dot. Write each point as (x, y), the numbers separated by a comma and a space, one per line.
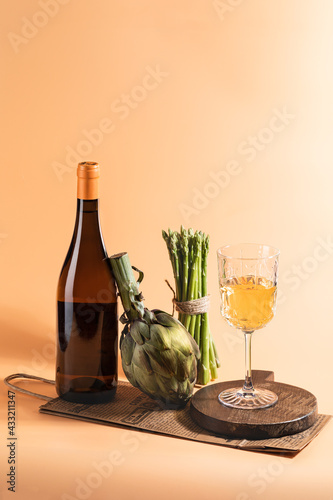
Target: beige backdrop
(212, 114)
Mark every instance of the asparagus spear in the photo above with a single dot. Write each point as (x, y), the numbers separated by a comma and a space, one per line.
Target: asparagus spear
(190, 320)
(171, 241)
(184, 253)
(204, 367)
(197, 332)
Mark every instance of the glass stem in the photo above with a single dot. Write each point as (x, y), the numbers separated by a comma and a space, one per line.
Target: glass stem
(248, 386)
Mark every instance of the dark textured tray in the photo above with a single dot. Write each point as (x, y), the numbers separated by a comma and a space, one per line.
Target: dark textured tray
(295, 411)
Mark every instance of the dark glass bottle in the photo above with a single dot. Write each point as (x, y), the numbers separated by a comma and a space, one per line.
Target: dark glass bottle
(87, 347)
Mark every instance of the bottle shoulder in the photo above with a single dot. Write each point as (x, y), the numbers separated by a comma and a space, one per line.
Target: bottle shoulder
(86, 273)
(86, 280)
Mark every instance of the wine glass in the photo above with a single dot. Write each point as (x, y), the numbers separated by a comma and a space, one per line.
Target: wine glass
(248, 279)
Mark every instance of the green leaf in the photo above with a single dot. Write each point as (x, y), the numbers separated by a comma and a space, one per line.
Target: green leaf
(146, 383)
(164, 386)
(141, 359)
(174, 385)
(169, 358)
(127, 348)
(160, 369)
(135, 333)
(165, 319)
(182, 367)
(142, 328)
(129, 374)
(160, 336)
(157, 360)
(181, 341)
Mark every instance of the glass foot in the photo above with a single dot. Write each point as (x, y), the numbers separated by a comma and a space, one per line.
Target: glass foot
(252, 400)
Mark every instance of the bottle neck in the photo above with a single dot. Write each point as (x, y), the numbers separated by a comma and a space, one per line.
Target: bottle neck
(87, 186)
(87, 234)
(88, 206)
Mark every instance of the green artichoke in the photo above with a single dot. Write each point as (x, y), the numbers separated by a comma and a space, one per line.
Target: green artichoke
(159, 356)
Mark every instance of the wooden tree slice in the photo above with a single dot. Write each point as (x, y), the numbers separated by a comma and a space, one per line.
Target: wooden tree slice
(295, 411)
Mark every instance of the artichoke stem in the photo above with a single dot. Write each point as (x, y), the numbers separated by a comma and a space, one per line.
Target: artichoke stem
(127, 285)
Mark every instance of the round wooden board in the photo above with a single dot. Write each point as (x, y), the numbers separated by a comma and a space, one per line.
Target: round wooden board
(295, 411)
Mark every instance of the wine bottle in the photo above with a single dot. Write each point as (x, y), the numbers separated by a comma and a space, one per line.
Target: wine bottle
(87, 347)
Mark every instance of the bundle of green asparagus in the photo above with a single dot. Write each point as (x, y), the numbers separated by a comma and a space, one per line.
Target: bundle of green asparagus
(188, 252)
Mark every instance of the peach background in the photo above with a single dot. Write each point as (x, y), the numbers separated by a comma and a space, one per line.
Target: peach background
(224, 72)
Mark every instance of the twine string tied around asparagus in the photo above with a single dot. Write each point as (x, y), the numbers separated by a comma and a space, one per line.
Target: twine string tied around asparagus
(196, 306)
